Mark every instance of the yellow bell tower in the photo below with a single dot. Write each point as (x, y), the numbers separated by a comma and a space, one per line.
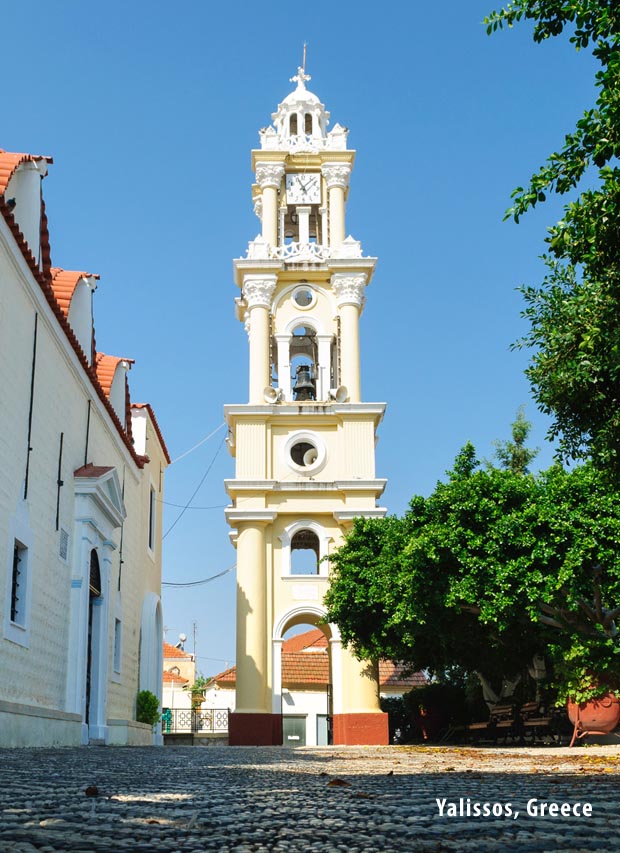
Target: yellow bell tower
(304, 443)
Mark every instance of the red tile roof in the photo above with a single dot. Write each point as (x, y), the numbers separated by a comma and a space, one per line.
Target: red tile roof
(9, 162)
(64, 283)
(158, 432)
(305, 662)
(229, 677)
(172, 652)
(173, 678)
(309, 639)
(391, 675)
(92, 471)
(105, 366)
(305, 668)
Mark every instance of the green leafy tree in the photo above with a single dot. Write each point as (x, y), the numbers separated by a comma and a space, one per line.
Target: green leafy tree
(491, 568)
(515, 455)
(575, 369)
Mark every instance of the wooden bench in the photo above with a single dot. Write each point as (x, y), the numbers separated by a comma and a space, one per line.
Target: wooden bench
(538, 722)
(503, 721)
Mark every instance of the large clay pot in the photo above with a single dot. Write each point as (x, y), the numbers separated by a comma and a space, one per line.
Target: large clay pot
(597, 716)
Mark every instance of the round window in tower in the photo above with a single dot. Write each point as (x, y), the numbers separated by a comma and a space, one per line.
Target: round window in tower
(304, 296)
(305, 453)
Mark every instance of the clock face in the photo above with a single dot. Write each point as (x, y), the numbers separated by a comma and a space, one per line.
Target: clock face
(303, 189)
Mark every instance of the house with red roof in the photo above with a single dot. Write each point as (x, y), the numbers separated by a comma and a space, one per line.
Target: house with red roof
(306, 688)
(81, 496)
(179, 676)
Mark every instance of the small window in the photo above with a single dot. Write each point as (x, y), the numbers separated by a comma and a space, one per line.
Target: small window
(303, 297)
(293, 125)
(152, 520)
(308, 124)
(305, 553)
(118, 633)
(63, 545)
(18, 584)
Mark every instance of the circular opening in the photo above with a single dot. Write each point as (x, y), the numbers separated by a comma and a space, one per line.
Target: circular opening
(304, 297)
(304, 454)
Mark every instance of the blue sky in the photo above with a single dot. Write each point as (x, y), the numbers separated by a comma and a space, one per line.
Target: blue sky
(150, 111)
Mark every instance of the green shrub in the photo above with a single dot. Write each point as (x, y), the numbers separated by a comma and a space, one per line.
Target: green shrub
(147, 708)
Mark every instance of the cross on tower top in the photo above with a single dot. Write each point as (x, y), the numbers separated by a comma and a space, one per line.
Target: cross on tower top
(301, 76)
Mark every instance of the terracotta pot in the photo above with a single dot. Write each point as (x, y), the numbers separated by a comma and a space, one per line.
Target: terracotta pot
(597, 716)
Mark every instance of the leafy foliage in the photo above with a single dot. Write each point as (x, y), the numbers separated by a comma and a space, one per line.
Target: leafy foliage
(575, 371)
(514, 454)
(147, 708)
(491, 568)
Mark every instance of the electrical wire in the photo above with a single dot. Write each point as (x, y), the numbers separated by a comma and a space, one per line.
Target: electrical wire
(204, 477)
(196, 446)
(182, 506)
(187, 584)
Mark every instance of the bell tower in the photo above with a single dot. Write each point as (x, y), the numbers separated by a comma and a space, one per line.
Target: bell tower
(304, 442)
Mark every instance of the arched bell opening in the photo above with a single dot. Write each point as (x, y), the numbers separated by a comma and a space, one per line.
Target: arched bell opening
(293, 124)
(303, 358)
(305, 549)
(308, 124)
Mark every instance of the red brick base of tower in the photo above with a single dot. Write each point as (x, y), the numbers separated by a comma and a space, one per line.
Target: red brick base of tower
(361, 729)
(254, 729)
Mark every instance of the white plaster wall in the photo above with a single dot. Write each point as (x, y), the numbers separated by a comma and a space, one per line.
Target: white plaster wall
(35, 676)
(81, 316)
(306, 702)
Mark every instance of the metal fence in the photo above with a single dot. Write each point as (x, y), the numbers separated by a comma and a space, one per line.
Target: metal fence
(203, 720)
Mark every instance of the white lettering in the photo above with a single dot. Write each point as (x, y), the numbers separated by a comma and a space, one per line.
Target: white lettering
(440, 805)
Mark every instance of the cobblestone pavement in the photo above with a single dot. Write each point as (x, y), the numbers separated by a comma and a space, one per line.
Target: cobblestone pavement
(354, 800)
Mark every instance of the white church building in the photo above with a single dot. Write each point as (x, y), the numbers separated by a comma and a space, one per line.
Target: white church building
(81, 489)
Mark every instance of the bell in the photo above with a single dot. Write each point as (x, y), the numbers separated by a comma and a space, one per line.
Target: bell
(304, 388)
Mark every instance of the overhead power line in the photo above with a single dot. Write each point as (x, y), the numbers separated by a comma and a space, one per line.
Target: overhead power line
(204, 477)
(201, 442)
(187, 584)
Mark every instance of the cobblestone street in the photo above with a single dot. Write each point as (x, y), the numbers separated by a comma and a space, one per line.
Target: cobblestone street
(357, 800)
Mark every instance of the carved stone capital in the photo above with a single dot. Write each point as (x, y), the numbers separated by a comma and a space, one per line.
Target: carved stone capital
(258, 290)
(349, 288)
(336, 174)
(269, 174)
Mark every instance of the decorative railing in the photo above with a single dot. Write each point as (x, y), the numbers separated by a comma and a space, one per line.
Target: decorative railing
(203, 721)
(313, 253)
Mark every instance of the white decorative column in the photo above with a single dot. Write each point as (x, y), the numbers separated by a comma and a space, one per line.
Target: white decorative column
(269, 177)
(284, 365)
(324, 366)
(337, 180)
(303, 212)
(251, 620)
(349, 292)
(258, 292)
